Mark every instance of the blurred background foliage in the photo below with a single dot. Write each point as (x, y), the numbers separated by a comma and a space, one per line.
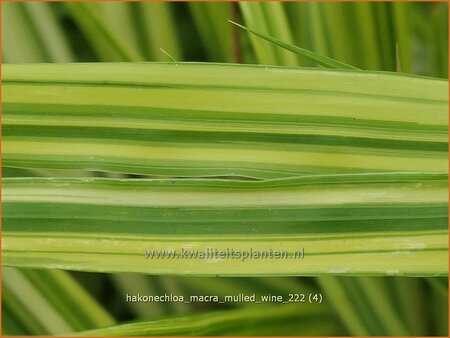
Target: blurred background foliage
(406, 37)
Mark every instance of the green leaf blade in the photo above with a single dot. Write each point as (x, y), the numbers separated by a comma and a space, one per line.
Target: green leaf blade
(310, 212)
(320, 59)
(186, 120)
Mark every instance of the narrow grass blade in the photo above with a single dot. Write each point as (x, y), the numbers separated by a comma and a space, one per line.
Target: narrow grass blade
(378, 298)
(269, 18)
(158, 30)
(278, 26)
(411, 308)
(339, 25)
(430, 32)
(264, 52)
(68, 307)
(320, 40)
(335, 291)
(347, 224)
(302, 29)
(19, 42)
(10, 325)
(186, 120)
(365, 306)
(70, 299)
(211, 20)
(121, 22)
(284, 319)
(16, 318)
(366, 35)
(401, 14)
(385, 35)
(50, 31)
(108, 46)
(34, 302)
(319, 59)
